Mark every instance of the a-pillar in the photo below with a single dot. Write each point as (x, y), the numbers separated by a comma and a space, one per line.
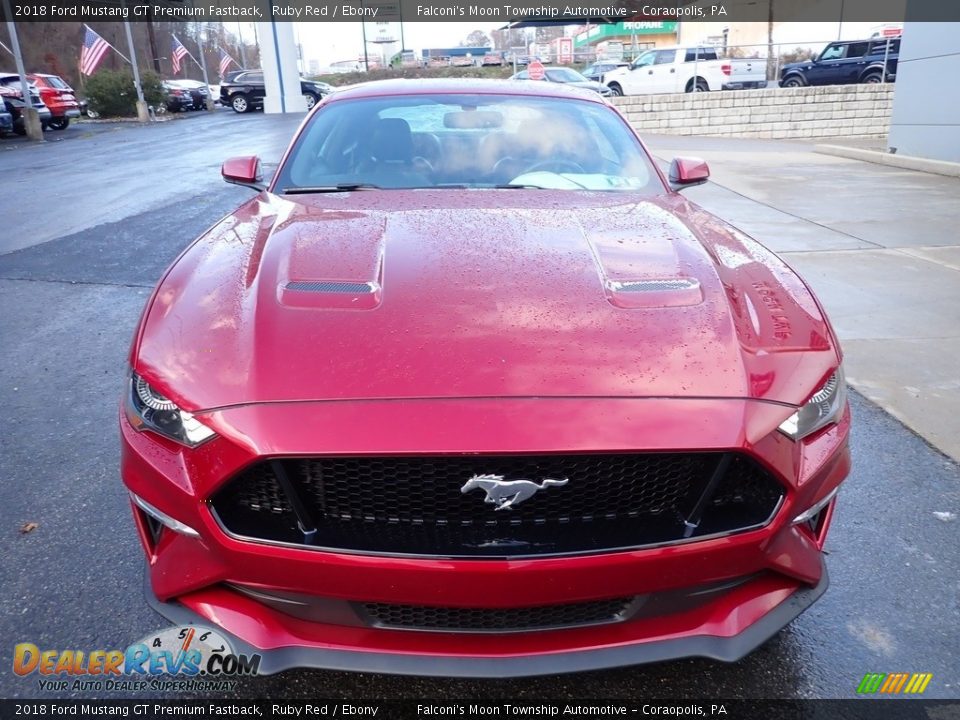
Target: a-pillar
(278, 58)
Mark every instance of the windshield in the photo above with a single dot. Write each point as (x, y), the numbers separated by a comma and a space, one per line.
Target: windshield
(473, 141)
(645, 59)
(564, 75)
(56, 82)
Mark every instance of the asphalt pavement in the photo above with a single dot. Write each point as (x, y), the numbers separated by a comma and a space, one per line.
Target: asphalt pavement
(90, 224)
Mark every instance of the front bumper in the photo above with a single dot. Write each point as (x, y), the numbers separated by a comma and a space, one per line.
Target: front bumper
(699, 643)
(191, 578)
(750, 85)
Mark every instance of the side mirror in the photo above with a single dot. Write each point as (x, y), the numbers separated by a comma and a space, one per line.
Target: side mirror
(243, 171)
(688, 171)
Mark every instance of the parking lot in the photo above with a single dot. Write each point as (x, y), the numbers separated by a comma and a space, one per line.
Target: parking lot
(94, 216)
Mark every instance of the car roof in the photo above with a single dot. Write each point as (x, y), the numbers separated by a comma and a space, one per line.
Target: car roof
(867, 40)
(8, 75)
(464, 86)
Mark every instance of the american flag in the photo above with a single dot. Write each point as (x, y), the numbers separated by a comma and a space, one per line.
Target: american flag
(225, 61)
(94, 48)
(179, 53)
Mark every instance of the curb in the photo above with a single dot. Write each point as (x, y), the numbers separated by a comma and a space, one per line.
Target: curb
(907, 162)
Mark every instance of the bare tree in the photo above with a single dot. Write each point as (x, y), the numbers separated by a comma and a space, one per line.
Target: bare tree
(477, 38)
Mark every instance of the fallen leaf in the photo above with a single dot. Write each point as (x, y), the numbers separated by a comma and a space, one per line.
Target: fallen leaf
(29, 527)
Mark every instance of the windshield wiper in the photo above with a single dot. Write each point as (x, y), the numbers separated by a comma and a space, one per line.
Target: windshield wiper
(339, 187)
(518, 186)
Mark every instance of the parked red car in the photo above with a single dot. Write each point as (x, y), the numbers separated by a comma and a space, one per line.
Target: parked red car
(469, 388)
(59, 97)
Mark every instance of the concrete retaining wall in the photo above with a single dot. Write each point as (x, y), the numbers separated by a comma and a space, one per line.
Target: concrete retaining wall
(829, 111)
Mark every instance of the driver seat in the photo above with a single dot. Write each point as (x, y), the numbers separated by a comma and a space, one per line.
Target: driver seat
(390, 155)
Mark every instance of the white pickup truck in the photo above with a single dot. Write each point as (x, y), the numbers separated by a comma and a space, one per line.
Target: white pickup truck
(686, 69)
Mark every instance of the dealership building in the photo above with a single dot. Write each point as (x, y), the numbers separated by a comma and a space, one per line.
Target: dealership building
(926, 107)
(636, 36)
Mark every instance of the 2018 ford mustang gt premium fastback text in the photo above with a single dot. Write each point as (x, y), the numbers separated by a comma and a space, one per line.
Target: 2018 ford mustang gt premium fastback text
(470, 389)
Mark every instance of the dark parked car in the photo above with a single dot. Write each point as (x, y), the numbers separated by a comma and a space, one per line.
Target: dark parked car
(6, 120)
(199, 92)
(185, 95)
(58, 97)
(13, 99)
(244, 91)
(596, 71)
(844, 63)
(177, 97)
(566, 76)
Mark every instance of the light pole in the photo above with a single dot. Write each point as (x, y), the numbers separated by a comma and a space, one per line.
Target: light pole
(31, 119)
(366, 58)
(243, 50)
(143, 114)
(203, 67)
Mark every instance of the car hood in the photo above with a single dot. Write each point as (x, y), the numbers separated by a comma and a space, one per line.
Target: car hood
(510, 293)
(588, 85)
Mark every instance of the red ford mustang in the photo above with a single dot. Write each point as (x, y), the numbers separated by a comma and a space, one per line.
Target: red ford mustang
(470, 389)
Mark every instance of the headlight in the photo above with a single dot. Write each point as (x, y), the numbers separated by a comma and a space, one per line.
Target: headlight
(149, 410)
(824, 408)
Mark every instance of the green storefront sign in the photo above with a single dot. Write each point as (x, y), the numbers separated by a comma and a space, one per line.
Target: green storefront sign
(625, 29)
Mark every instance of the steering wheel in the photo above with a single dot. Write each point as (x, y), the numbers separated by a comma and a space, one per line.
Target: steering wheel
(422, 165)
(556, 166)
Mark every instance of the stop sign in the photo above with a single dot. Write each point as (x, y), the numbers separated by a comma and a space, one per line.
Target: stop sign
(535, 70)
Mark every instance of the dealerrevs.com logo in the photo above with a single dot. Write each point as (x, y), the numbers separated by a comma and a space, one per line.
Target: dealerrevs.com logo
(179, 658)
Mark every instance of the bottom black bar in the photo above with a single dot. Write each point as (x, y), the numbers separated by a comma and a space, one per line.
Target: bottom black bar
(859, 709)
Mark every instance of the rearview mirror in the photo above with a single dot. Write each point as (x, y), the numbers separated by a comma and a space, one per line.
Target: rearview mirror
(243, 171)
(688, 171)
(473, 120)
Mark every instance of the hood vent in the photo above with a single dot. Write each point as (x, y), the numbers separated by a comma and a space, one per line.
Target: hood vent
(332, 286)
(655, 292)
(653, 285)
(331, 294)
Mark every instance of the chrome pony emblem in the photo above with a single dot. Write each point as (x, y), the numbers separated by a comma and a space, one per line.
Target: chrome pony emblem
(507, 493)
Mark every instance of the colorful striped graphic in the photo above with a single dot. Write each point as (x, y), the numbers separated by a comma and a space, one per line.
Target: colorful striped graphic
(894, 683)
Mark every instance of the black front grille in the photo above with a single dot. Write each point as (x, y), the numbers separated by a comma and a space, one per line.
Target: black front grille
(417, 617)
(414, 505)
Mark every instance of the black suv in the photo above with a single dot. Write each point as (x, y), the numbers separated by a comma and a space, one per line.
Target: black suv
(244, 91)
(843, 63)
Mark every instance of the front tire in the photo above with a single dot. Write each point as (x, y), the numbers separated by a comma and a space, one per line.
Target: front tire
(60, 123)
(794, 81)
(310, 99)
(240, 104)
(615, 89)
